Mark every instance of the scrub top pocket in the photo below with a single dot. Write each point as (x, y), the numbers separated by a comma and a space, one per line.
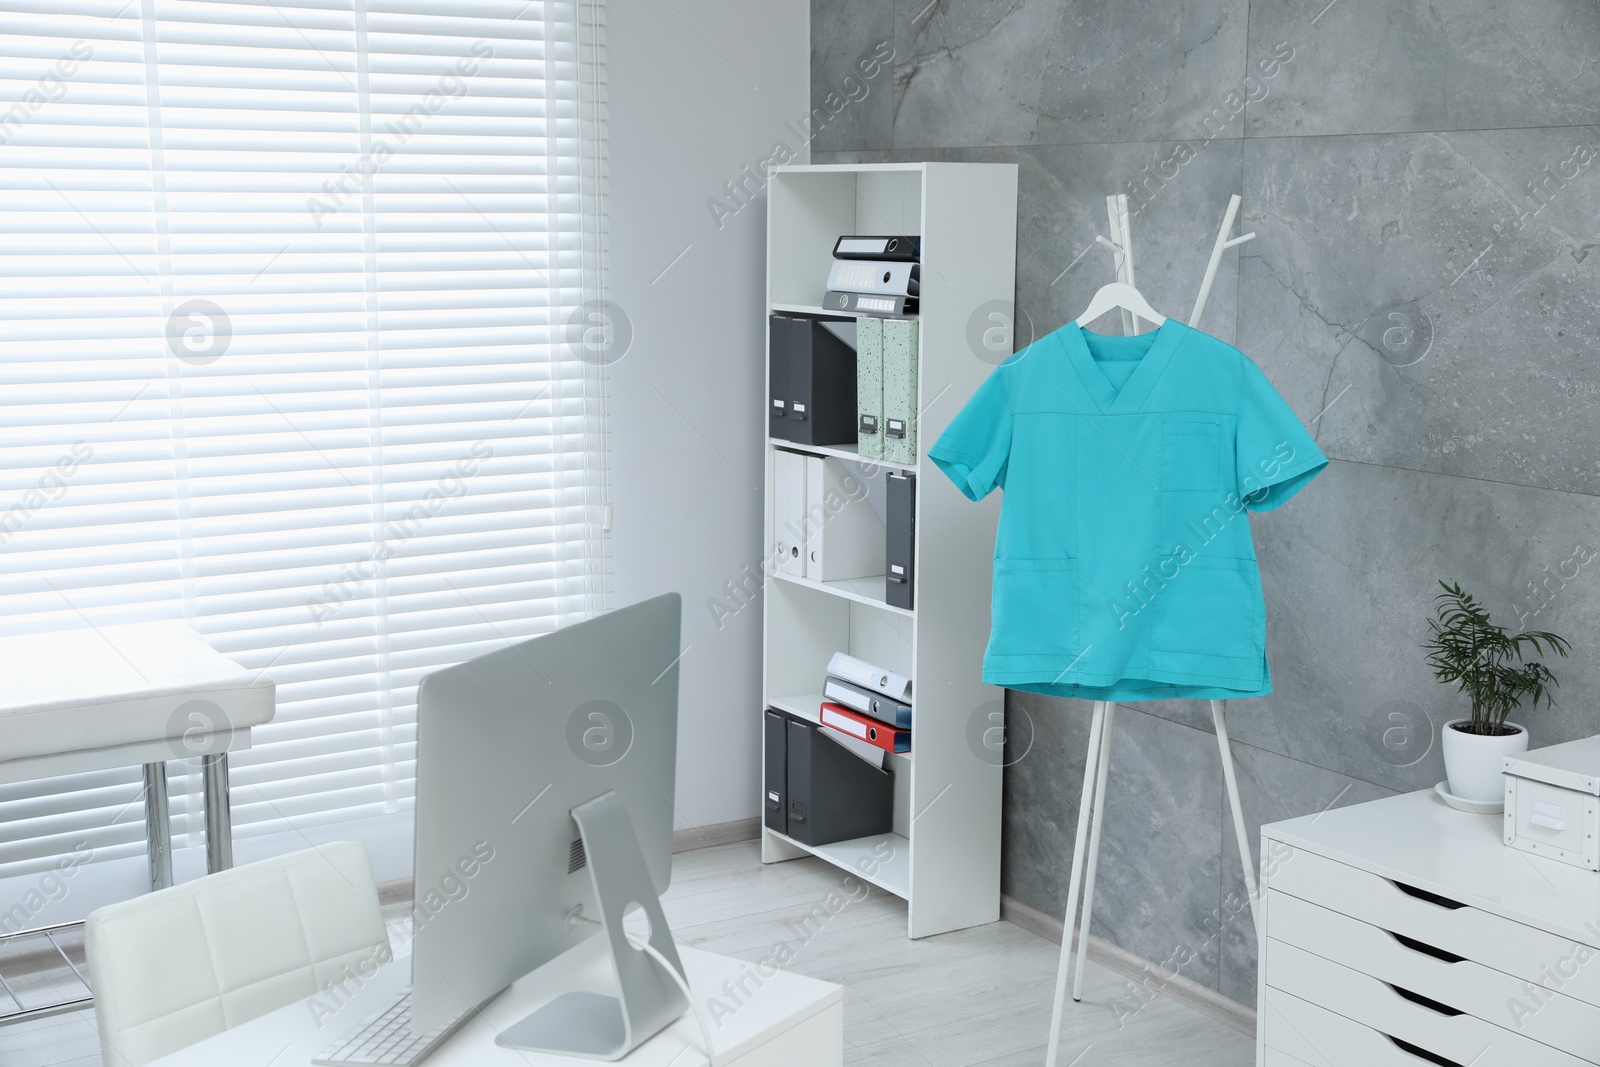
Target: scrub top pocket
(1035, 609)
(1209, 610)
(1191, 453)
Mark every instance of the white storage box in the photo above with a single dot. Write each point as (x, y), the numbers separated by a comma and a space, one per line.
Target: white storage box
(1553, 802)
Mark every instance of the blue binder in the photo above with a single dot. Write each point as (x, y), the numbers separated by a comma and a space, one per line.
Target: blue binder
(884, 709)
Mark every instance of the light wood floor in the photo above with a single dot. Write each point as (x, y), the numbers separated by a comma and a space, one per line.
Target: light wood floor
(974, 997)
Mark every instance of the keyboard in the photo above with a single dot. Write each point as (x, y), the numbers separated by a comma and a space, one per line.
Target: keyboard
(386, 1038)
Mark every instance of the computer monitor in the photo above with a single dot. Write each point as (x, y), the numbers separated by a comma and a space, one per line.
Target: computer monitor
(534, 763)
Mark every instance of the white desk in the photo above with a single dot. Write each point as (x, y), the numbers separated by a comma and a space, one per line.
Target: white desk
(789, 1021)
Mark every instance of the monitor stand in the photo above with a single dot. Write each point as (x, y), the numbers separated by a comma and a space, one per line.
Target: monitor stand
(592, 1025)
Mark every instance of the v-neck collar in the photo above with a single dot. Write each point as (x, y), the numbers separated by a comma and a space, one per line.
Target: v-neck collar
(1137, 388)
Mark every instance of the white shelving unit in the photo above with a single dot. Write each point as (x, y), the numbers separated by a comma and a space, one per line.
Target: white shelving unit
(943, 857)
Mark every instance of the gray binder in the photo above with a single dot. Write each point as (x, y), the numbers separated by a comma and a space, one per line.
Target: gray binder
(775, 802)
(852, 246)
(886, 277)
(869, 303)
(833, 795)
(813, 379)
(900, 536)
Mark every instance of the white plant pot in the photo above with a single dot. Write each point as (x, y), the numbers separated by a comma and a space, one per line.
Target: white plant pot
(1472, 761)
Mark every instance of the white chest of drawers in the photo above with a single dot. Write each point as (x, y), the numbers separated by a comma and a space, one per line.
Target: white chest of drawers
(1402, 933)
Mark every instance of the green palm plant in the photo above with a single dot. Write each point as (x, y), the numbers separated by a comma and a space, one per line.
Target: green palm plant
(1487, 662)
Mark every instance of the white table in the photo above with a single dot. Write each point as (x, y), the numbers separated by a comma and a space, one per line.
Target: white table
(116, 696)
(789, 1021)
(1402, 933)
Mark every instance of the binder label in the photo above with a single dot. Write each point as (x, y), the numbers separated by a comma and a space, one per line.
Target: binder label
(840, 722)
(845, 696)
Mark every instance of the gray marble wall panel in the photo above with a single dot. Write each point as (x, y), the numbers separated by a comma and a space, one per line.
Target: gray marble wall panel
(1177, 191)
(1373, 66)
(1437, 293)
(1350, 570)
(1424, 289)
(847, 37)
(1044, 72)
(1157, 884)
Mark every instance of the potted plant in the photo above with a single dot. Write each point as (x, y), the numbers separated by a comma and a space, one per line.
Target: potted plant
(1490, 665)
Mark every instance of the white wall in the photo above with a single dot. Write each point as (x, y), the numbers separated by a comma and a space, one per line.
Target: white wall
(698, 90)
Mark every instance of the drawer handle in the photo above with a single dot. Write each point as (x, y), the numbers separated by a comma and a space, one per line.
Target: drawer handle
(1431, 1005)
(1422, 1053)
(1423, 894)
(1427, 950)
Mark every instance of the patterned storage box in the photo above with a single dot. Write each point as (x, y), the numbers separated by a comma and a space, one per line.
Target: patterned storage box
(900, 391)
(869, 386)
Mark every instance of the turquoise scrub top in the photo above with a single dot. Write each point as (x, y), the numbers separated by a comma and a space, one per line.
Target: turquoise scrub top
(1123, 565)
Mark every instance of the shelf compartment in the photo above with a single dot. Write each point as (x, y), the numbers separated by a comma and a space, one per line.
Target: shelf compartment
(883, 861)
(807, 624)
(809, 210)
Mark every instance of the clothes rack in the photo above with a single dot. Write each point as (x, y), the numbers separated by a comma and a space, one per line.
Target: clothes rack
(1097, 759)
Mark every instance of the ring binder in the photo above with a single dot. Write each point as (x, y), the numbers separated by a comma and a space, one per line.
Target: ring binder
(829, 794)
(908, 249)
(875, 276)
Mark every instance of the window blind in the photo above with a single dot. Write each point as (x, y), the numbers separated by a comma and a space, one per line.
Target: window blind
(293, 301)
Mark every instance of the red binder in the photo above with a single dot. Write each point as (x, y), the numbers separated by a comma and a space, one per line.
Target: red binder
(865, 729)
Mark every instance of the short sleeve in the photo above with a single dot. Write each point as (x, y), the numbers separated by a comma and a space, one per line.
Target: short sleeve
(1274, 455)
(975, 447)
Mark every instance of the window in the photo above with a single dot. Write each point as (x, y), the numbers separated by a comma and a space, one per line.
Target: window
(292, 301)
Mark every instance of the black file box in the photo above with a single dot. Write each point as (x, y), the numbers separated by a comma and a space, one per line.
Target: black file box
(831, 793)
(813, 383)
(775, 804)
(900, 539)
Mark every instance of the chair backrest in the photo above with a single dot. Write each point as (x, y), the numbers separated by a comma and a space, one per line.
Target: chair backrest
(176, 966)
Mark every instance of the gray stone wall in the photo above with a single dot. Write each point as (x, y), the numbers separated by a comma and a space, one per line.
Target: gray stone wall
(1424, 289)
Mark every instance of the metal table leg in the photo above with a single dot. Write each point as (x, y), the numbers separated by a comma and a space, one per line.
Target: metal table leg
(219, 818)
(157, 825)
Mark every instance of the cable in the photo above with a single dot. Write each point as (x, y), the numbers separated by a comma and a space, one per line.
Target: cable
(683, 984)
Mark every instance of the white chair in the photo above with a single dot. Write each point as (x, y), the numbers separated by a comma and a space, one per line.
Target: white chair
(179, 965)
